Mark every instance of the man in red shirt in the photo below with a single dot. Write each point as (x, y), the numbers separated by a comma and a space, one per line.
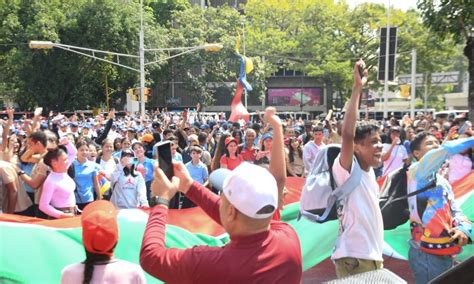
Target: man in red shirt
(260, 250)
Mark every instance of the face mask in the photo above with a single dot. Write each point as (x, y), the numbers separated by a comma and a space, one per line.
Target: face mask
(130, 160)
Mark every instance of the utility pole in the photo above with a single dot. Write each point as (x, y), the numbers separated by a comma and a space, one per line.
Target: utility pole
(243, 46)
(107, 95)
(426, 93)
(387, 50)
(142, 63)
(413, 84)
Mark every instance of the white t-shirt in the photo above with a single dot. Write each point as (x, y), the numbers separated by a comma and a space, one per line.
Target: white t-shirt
(309, 153)
(116, 271)
(108, 166)
(360, 219)
(395, 161)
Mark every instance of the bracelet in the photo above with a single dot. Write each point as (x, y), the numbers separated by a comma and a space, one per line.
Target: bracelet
(20, 172)
(161, 201)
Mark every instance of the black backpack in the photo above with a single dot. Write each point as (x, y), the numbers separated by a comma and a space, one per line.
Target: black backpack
(393, 199)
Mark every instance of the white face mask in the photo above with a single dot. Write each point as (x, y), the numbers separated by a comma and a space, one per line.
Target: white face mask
(130, 160)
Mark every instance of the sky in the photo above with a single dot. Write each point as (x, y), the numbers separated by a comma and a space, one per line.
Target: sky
(400, 4)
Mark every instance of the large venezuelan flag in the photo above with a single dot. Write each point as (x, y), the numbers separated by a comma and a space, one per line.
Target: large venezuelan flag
(35, 251)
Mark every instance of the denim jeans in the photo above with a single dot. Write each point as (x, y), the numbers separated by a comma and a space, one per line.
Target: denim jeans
(427, 266)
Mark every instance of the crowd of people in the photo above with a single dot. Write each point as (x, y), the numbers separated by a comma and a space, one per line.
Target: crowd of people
(54, 166)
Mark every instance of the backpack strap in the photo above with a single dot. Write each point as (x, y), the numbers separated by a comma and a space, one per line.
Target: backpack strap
(416, 192)
(337, 194)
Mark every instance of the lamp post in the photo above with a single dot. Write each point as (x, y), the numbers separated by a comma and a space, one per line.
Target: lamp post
(209, 47)
(387, 55)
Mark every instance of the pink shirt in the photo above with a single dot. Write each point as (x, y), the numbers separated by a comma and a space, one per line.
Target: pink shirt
(58, 189)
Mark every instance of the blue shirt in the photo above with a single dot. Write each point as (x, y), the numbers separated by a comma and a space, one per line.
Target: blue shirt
(407, 146)
(84, 175)
(177, 157)
(198, 172)
(117, 154)
(148, 165)
(28, 167)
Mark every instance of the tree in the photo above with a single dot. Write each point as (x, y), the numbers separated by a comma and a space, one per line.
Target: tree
(324, 38)
(196, 26)
(453, 19)
(62, 80)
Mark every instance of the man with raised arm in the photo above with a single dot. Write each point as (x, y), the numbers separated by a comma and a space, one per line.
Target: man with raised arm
(260, 249)
(359, 244)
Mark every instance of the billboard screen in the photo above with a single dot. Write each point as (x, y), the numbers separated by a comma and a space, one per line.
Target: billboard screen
(295, 96)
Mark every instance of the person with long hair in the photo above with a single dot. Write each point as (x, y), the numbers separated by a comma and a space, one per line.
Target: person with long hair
(237, 134)
(106, 161)
(57, 199)
(216, 135)
(294, 158)
(100, 232)
(394, 152)
(85, 176)
(263, 156)
(129, 190)
(231, 159)
(92, 152)
(124, 144)
(144, 163)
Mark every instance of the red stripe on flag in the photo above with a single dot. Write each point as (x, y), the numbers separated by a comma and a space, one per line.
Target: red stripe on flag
(196, 221)
(238, 109)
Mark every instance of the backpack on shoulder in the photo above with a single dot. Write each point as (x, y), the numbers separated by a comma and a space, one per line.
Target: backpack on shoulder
(320, 195)
(393, 198)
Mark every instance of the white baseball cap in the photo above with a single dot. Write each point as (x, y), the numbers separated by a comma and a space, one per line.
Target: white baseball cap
(249, 188)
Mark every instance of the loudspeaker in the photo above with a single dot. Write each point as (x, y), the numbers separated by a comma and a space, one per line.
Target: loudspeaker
(459, 274)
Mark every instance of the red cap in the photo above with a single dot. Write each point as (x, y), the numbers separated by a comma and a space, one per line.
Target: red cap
(230, 139)
(100, 227)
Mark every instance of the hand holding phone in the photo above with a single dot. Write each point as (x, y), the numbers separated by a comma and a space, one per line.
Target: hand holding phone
(165, 158)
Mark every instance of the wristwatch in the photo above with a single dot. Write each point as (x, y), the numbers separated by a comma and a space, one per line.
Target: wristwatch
(163, 201)
(21, 172)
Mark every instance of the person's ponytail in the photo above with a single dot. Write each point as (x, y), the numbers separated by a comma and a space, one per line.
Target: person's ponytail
(91, 260)
(88, 270)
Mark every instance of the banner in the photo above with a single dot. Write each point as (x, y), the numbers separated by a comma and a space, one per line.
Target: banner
(35, 250)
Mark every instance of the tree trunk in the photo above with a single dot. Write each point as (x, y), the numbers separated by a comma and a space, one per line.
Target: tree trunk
(469, 52)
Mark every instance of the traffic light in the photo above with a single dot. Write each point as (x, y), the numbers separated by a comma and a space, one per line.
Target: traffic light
(134, 93)
(405, 91)
(392, 50)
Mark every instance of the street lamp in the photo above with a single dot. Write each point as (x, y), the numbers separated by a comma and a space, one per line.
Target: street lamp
(208, 47)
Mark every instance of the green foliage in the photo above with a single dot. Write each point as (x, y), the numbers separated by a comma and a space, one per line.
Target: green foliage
(194, 27)
(163, 10)
(448, 18)
(321, 38)
(58, 79)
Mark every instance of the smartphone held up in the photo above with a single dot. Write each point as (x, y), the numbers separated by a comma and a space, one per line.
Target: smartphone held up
(165, 158)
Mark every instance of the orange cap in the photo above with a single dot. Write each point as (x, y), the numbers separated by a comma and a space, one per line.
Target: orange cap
(100, 227)
(147, 138)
